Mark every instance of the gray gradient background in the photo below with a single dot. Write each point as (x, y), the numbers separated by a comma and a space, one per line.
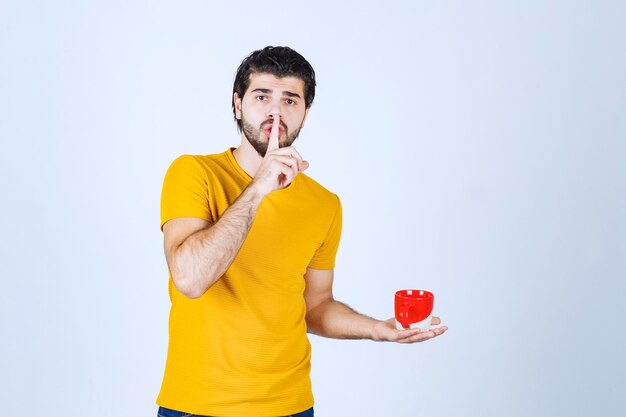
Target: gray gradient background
(479, 149)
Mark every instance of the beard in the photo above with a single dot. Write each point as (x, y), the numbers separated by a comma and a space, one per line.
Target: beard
(256, 137)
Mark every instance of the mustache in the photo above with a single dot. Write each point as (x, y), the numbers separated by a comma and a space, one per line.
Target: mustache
(271, 122)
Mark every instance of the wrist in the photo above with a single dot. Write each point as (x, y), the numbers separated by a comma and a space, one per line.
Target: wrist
(259, 188)
(375, 334)
(255, 192)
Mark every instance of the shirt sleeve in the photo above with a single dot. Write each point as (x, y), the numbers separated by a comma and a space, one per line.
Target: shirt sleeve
(185, 191)
(324, 257)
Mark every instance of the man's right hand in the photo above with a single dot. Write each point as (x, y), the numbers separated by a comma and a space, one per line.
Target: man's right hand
(279, 166)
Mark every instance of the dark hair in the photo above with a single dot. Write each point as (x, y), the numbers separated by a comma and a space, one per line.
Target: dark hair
(280, 61)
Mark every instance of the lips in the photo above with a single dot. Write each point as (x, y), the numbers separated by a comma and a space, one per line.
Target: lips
(268, 130)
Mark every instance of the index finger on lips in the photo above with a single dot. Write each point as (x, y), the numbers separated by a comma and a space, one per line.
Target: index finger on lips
(273, 143)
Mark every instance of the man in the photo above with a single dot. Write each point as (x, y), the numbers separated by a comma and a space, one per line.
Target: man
(250, 242)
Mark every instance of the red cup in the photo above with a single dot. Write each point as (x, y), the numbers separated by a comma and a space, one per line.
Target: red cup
(413, 309)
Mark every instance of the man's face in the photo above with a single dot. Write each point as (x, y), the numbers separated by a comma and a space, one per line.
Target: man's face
(265, 97)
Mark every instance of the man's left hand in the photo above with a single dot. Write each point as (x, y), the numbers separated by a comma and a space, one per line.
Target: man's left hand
(386, 331)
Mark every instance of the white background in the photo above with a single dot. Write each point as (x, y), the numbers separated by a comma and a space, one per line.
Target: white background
(479, 149)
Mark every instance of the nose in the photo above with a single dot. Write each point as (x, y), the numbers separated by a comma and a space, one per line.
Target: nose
(274, 112)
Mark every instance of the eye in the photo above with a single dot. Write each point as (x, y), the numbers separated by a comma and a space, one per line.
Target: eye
(261, 98)
(290, 101)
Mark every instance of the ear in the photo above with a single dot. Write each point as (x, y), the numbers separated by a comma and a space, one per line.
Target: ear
(237, 102)
(306, 113)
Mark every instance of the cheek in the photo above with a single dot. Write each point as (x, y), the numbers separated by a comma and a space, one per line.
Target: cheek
(251, 113)
(296, 118)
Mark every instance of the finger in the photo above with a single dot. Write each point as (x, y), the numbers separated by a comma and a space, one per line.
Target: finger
(416, 333)
(273, 143)
(301, 161)
(435, 321)
(304, 165)
(285, 167)
(291, 151)
(424, 336)
(420, 337)
(408, 337)
(287, 174)
(281, 162)
(406, 334)
(293, 168)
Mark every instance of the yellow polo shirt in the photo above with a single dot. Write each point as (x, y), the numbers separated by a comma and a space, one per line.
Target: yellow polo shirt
(241, 349)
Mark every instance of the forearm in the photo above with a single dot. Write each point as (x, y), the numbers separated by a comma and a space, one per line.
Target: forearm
(206, 255)
(334, 319)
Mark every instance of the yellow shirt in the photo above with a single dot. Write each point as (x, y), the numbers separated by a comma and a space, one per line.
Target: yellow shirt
(241, 349)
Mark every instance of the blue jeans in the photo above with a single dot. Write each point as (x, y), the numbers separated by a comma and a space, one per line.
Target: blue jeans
(166, 412)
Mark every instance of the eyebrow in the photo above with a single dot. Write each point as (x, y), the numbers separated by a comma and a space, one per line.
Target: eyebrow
(268, 91)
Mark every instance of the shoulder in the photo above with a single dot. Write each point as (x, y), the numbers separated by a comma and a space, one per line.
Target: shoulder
(319, 192)
(199, 161)
(202, 165)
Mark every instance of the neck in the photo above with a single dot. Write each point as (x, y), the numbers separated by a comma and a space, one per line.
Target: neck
(247, 157)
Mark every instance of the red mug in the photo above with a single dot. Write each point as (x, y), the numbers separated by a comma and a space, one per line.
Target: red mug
(413, 309)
